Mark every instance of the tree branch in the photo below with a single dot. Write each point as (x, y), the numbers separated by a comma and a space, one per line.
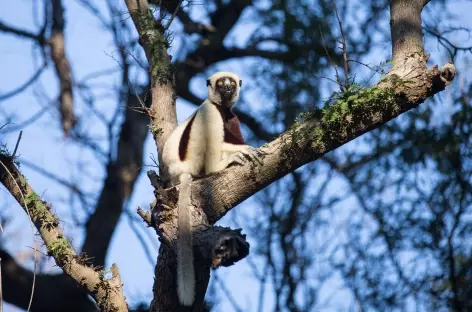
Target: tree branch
(62, 66)
(58, 56)
(20, 32)
(155, 44)
(108, 293)
(405, 29)
(315, 137)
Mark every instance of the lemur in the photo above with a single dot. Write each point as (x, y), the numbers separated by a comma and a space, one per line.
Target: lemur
(208, 141)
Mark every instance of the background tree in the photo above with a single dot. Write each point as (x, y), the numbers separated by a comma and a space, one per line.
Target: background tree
(382, 220)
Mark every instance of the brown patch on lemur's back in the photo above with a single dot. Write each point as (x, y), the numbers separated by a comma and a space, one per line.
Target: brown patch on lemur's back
(183, 144)
(231, 127)
(232, 131)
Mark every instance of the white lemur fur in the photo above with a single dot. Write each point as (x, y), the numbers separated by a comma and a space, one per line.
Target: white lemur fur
(208, 141)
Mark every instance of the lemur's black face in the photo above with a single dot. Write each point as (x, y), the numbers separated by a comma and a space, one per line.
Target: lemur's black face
(227, 88)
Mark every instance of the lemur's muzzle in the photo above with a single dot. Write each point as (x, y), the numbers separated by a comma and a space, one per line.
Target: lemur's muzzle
(228, 90)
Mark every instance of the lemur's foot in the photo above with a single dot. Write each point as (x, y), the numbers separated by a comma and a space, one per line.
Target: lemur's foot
(254, 154)
(237, 159)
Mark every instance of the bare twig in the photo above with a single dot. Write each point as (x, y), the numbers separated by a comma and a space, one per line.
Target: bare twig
(27, 122)
(144, 109)
(177, 8)
(451, 48)
(132, 219)
(67, 184)
(344, 48)
(25, 85)
(145, 215)
(338, 78)
(35, 269)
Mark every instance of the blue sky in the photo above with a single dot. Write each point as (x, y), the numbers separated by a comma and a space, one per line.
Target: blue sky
(89, 48)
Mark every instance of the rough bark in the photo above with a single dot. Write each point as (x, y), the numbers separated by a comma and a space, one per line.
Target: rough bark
(108, 293)
(215, 246)
(153, 39)
(405, 28)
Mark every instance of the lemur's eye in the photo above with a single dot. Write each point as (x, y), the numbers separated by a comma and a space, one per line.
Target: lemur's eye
(233, 83)
(220, 83)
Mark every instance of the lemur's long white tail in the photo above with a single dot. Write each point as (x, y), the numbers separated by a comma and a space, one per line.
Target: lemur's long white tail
(185, 269)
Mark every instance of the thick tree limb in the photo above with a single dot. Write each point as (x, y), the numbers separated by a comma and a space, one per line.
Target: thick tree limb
(405, 28)
(62, 66)
(154, 40)
(315, 137)
(213, 247)
(121, 176)
(59, 58)
(108, 293)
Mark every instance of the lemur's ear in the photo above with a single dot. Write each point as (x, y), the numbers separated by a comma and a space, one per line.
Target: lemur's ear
(208, 82)
(240, 83)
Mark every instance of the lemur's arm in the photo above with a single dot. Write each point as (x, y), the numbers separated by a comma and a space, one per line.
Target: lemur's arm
(233, 148)
(235, 158)
(233, 138)
(215, 145)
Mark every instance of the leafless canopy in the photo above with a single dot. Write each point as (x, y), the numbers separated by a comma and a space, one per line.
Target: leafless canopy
(312, 139)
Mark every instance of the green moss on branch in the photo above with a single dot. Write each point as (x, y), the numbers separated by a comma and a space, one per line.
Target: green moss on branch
(345, 114)
(156, 42)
